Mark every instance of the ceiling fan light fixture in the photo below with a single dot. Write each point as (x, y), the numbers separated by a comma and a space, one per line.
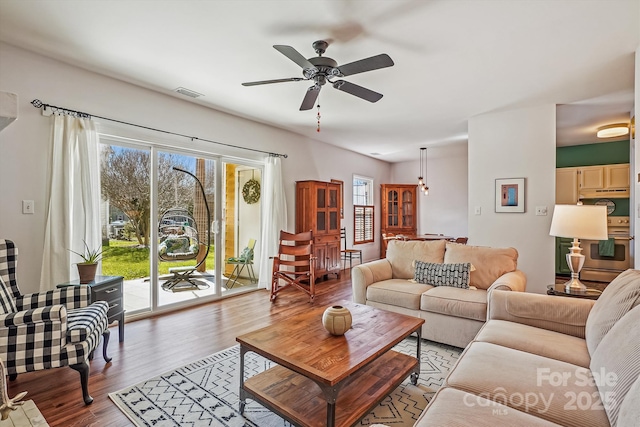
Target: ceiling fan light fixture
(613, 130)
(322, 69)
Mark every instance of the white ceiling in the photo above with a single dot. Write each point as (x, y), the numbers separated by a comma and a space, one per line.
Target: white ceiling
(454, 59)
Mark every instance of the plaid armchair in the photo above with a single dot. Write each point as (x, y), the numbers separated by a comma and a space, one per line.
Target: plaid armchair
(48, 329)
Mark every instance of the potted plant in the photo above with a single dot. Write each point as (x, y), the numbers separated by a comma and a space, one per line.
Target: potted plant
(87, 268)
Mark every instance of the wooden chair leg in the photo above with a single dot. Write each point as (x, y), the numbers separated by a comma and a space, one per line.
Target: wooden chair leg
(274, 289)
(105, 342)
(83, 369)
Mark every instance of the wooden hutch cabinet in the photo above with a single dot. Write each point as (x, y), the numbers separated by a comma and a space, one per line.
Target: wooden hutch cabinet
(398, 213)
(318, 210)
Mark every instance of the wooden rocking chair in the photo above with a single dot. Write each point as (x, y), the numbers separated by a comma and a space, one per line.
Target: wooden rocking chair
(294, 264)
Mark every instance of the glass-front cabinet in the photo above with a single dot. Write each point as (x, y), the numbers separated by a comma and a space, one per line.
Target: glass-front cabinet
(318, 210)
(398, 214)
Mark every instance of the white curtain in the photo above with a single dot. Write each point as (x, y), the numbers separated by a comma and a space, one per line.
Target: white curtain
(274, 217)
(73, 206)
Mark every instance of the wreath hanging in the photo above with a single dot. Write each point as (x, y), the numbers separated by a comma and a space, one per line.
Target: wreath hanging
(251, 191)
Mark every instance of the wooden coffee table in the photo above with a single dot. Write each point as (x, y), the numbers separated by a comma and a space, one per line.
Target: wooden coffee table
(329, 380)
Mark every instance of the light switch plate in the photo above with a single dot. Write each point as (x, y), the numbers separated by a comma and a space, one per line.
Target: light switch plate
(541, 210)
(28, 207)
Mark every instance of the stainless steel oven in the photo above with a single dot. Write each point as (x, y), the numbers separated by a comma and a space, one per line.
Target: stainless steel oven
(604, 265)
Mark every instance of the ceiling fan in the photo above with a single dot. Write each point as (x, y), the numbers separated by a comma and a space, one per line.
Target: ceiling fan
(322, 69)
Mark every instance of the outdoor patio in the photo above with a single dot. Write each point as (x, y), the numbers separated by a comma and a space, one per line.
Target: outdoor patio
(137, 295)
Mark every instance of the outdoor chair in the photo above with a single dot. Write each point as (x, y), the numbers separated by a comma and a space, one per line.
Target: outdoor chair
(348, 254)
(242, 261)
(48, 329)
(294, 264)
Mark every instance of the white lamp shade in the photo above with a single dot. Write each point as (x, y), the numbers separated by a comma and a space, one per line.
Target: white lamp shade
(579, 222)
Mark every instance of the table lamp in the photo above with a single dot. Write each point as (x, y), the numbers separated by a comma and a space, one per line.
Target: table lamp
(578, 222)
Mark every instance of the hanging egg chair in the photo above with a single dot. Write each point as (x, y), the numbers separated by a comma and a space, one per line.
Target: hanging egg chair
(180, 240)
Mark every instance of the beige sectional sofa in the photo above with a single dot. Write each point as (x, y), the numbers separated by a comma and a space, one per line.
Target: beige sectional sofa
(545, 360)
(452, 315)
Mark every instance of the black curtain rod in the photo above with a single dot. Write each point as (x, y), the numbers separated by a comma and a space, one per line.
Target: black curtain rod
(39, 104)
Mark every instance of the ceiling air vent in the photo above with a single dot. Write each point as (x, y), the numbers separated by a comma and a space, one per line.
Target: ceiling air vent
(187, 92)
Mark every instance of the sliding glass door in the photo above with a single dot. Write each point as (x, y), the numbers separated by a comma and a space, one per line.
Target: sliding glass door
(125, 180)
(166, 213)
(186, 200)
(241, 226)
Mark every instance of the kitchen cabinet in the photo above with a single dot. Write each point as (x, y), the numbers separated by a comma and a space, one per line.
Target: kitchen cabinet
(617, 176)
(562, 249)
(591, 177)
(566, 186)
(398, 213)
(605, 177)
(592, 182)
(318, 210)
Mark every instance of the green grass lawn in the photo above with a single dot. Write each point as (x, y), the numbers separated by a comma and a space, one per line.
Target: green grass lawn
(126, 258)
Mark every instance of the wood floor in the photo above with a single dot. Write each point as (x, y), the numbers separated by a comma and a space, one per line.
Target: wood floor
(156, 345)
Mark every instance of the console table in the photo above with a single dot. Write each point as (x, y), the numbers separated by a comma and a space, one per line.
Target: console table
(109, 289)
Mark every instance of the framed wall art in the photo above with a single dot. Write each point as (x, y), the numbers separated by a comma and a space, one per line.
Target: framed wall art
(510, 195)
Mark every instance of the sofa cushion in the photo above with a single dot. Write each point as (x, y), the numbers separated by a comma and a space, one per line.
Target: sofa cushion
(398, 292)
(465, 303)
(617, 361)
(489, 263)
(538, 385)
(620, 296)
(563, 315)
(451, 407)
(530, 339)
(629, 415)
(401, 254)
(437, 274)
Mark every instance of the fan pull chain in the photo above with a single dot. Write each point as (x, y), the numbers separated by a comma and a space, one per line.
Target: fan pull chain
(318, 117)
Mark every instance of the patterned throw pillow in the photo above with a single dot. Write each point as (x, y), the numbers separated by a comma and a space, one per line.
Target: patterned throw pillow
(7, 304)
(454, 275)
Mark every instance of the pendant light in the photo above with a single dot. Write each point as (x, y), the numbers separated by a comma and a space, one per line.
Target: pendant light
(422, 176)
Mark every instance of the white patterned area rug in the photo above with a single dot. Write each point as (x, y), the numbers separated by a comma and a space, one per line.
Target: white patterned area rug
(205, 393)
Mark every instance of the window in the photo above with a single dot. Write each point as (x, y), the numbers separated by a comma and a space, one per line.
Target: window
(362, 190)
(363, 210)
(362, 224)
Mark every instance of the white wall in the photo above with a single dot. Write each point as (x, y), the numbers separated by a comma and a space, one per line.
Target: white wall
(445, 209)
(515, 144)
(24, 144)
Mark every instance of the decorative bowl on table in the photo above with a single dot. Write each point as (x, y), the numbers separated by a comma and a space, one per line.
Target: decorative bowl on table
(337, 319)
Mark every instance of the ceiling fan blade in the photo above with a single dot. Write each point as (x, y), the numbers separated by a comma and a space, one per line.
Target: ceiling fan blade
(310, 98)
(359, 91)
(295, 56)
(264, 82)
(368, 64)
